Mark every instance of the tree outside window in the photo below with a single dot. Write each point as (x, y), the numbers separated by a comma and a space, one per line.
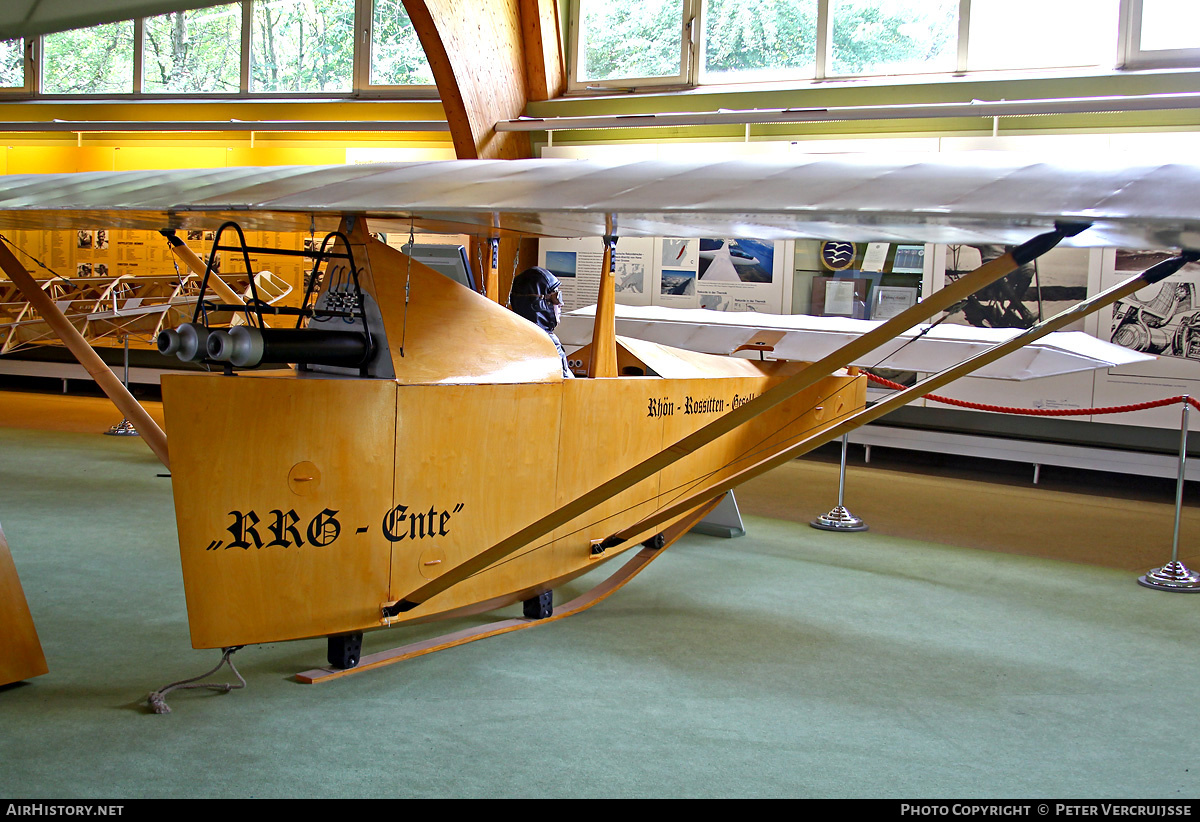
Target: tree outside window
(397, 58)
(746, 40)
(632, 38)
(96, 60)
(12, 63)
(193, 51)
(302, 46)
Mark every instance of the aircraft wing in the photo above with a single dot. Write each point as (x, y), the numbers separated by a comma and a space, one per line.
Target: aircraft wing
(967, 197)
(802, 337)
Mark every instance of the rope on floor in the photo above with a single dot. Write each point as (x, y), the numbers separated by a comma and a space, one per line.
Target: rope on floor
(157, 699)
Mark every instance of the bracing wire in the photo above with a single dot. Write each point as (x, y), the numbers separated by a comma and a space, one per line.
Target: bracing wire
(40, 264)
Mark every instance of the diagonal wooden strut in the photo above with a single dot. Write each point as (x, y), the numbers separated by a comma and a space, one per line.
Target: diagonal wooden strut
(1148, 277)
(582, 602)
(815, 372)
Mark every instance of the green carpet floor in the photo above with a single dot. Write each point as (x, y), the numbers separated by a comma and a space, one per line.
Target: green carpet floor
(789, 662)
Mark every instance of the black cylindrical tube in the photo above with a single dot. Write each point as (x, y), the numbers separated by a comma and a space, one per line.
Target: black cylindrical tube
(348, 349)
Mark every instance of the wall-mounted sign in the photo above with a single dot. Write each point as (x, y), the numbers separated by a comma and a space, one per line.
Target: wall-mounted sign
(837, 255)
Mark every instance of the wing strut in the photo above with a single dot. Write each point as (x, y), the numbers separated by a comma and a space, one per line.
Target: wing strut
(815, 372)
(1150, 276)
(604, 328)
(87, 356)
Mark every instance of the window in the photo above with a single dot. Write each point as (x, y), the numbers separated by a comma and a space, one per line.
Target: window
(397, 58)
(96, 60)
(1161, 33)
(1025, 34)
(302, 45)
(193, 51)
(759, 41)
(692, 42)
(12, 64)
(893, 36)
(632, 39)
(1169, 24)
(244, 47)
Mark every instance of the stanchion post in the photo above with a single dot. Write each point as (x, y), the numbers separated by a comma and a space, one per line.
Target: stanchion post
(1175, 576)
(839, 519)
(124, 428)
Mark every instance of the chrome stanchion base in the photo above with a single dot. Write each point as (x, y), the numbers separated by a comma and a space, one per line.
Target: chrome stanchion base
(1174, 576)
(839, 519)
(123, 429)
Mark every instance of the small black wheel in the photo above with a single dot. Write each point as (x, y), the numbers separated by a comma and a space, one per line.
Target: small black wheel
(345, 650)
(656, 542)
(540, 607)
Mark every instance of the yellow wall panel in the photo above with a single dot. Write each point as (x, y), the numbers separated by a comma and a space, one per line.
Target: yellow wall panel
(284, 156)
(96, 158)
(42, 159)
(140, 158)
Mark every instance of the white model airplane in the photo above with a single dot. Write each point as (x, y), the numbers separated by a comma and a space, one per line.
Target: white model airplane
(923, 348)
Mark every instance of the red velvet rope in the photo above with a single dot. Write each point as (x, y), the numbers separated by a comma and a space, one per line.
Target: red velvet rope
(1045, 412)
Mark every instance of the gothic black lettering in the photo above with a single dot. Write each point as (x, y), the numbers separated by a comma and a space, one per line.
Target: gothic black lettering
(283, 527)
(243, 526)
(324, 528)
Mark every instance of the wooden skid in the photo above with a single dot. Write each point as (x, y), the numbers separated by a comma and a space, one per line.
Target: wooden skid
(599, 593)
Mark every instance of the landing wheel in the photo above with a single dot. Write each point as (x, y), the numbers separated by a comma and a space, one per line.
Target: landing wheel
(656, 542)
(344, 650)
(540, 607)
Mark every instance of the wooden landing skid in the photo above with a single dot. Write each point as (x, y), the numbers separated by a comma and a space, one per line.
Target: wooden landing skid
(601, 592)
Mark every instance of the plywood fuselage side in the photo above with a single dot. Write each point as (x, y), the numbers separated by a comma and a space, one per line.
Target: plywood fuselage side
(305, 504)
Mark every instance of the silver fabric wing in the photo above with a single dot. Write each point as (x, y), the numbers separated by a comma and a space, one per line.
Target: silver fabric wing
(968, 198)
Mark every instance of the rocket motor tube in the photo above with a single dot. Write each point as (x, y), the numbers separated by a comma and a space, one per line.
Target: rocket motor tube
(187, 342)
(246, 347)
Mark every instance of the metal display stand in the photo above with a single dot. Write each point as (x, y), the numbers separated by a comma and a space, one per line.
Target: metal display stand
(124, 428)
(1175, 576)
(839, 519)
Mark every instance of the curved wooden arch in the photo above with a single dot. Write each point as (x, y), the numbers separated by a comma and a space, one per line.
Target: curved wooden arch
(488, 59)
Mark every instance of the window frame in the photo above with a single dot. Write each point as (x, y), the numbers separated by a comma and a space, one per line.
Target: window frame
(360, 86)
(1129, 55)
(29, 49)
(689, 57)
(364, 55)
(1132, 56)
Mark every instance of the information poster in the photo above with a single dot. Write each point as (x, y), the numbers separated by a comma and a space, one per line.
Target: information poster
(577, 264)
(716, 273)
(679, 262)
(1162, 319)
(741, 275)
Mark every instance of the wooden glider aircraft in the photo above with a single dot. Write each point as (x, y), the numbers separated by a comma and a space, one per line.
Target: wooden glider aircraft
(425, 457)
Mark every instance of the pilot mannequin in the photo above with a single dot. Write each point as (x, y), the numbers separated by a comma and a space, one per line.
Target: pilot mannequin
(537, 296)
